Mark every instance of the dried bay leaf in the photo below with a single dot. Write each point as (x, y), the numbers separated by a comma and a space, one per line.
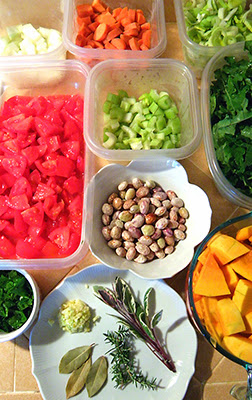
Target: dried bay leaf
(97, 376)
(77, 379)
(74, 358)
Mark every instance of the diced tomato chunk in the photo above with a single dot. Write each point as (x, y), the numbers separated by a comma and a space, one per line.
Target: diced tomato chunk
(25, 249)
(52, 208)
(19, 202)
(73, 185)
(34, 215)
(7, 249)
(15, 165)
(71, 149)
(42, 192)
(60, 236)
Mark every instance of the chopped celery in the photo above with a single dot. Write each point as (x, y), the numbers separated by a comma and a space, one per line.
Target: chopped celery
(149, 122)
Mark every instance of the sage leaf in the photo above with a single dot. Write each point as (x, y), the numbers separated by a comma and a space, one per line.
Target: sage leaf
(74, 358)
(145, 326)
(105, 295)
(146, 301)
(156, 318)
(97, 376)
(129, 300)
(77, 379)
(119, 287)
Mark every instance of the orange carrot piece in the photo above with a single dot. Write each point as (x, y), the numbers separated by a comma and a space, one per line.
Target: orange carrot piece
(86, 20)
(139, 10)
(146, 36)
(80, 40)
(98, 6)
(95, 44)
(88, 46)
(143, 47)
(133, 25)
(145, 26)
(106, 18)
(119, 43)
(90, 37)
(101, 32)
(84, 30)
(84, 10)
(140, 18)
(116, 12)
(125, 38)
(113, 34)
(109, 45)
(132, 14)
(133, 44)
(131, 32)
(123, 14)
(125, 21)
(93, 26)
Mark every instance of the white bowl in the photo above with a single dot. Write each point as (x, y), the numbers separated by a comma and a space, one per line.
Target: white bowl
(4, 337)
(170, 175)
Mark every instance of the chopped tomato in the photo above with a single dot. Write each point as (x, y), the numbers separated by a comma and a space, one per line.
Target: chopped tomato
(7, 249)
(52, 208)
(60, 236)
(71, 149)
(15, 165)
(34, 215)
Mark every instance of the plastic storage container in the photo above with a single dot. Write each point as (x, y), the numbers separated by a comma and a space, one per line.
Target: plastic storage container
(196, 56)
(47, 14)
(67, 77)
(137, 77)
(154, 13)
(223, 185)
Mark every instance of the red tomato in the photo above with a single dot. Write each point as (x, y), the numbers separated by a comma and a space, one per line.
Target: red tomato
(73, 185)
(60, 236)
(7, 249)
(52, 208)
(15, 165)
(45, 128)
(34, 215)
(25, 249)
(42, 192)
(21, 186)
(71, 149)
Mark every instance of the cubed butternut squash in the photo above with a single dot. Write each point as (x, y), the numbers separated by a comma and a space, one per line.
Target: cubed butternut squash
(211, 280)
(239, 346)
(243, 296)
(231, 277)
(243, 265)
(248, 322)
(230, 317)
(244, 233)
(226, 248)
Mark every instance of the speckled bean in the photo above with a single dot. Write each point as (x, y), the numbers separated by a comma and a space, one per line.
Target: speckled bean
(161, 196)
(167, 232)
(106, 233)
(143, 206)
(182, 227)
(177, 202)
(155, 202)
(116, 214)
(131, 253)
(116, 232)
(107, 209)
(145, 240)
(138, 220)
(171, 194)
(166, 203)
(150, 256)
(150, 218)
(183, 212)
(161, 223)
(112, 197)
(173, 215)
(147, 230)
(127, 236)
(106, 219)
(121, 252)
(117, 203)
(135, 232)
(122, 186)
(160, 211)
(122, 194)
(128, 244)
(128, 203)
(170, 241)
(137, 183)
(114, 243)
(154, 247)
(157, 234)
(150, 184)
(143, 191)
(160, 254)
(140, 259)
(142, 249)
(179, 235)
(161, 243)
(169, 250)
(128, 224)
(134, 209)
(130, 194)
(172, 224)
(125, 216)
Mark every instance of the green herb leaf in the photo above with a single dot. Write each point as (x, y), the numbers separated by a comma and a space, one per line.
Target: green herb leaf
(97, 376)
(147, 300)
(74, 358)
(145, 326)
(156, 318)
(77, 379)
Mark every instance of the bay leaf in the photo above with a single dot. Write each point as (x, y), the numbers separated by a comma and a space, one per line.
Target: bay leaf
(77, 379)
(97, 376)
(74, 358)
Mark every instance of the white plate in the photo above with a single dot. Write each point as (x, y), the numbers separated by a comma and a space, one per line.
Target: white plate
(169, 174)
(49, 343)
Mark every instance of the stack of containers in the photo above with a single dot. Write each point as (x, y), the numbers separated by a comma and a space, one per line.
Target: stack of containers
(49, 74)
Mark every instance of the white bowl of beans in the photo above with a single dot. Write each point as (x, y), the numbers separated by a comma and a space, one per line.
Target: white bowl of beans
(146, 217)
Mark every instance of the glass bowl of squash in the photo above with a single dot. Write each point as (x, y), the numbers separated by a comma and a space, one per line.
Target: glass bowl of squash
(219, 293)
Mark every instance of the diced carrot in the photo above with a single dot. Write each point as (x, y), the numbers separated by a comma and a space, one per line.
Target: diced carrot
(143, 47)
(125, 38)
(93, 26)
(140, 18)
(86, 20)
(131, 32)
(133, 25)
(139, 10)
(132, 14)
(84, 30)
(145, 26)
(125, 21)
(123, 14)
(84, 10)
(101, 32)
(133, 43)
(106, 18)
(109, 45)
(116, 12)
(119, 43)
(98, 6)
(88, 46)
(80, 40)
(113, 34)
(95, 44)
(146, 36)
(90, 37)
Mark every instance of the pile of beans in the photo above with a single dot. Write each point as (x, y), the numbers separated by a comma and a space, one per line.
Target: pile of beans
(142, 221)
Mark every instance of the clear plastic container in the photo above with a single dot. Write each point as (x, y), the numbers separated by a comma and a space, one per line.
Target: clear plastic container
(66, 77)
(46, 14)
(154, 13)
(196, 56)
(223, 185)
(138, 77)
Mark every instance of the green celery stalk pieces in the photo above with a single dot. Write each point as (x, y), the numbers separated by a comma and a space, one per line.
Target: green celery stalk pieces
(218, 22)
(231, 115)
(150, 122)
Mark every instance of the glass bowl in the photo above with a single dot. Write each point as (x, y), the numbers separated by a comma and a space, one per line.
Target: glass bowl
(229, 227)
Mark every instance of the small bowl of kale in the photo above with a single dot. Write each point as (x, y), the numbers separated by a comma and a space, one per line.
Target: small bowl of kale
(226, 109)
(19, 303)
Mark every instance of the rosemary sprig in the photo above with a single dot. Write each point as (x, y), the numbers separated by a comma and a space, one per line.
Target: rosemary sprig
(124, 366)
(136, 316)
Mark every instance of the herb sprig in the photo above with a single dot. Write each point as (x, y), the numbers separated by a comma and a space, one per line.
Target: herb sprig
(136, 316)
(124, 365)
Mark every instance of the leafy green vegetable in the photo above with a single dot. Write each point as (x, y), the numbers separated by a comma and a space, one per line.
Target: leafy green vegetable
(16, 300)
(231, 116)
(218, 22)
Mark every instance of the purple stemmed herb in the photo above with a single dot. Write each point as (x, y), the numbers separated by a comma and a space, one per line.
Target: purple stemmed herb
(136, 316)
